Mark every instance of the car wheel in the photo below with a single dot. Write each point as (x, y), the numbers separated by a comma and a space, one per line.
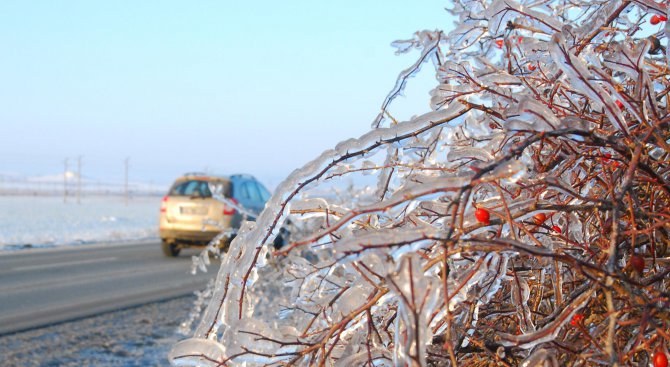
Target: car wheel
(170, 248)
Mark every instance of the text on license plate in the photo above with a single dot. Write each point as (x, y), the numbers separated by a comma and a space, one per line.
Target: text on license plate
(193, 211)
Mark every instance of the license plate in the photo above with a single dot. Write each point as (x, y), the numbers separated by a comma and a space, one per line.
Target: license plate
(193, 211)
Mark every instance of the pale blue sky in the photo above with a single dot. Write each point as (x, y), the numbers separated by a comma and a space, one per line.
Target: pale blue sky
(232, 86)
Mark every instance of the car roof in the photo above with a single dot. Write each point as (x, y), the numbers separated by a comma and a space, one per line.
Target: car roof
(210, 177)
(202, 177)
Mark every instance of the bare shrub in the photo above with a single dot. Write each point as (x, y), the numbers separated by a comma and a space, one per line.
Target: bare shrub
(524, 221)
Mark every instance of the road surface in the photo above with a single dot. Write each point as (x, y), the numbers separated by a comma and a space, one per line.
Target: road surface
(47, 286)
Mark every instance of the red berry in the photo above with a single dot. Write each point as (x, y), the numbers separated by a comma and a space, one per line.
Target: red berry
(520, 39)
(619, 104)
(499, 43)
(556, 229)
(483, 216)
(531, 67)
(576, 319)
(660, 359)
(657, 19)
(539, 218)
(637, 263)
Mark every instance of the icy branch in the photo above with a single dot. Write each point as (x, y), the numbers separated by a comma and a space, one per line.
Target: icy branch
(524, 221)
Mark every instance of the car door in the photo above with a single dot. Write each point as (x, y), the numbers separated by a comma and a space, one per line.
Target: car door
(243, 195)
(255, 201)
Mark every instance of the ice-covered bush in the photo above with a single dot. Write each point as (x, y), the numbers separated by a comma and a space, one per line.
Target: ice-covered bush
(524, 221)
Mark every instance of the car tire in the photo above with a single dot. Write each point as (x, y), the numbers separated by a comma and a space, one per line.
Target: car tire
(170, 248)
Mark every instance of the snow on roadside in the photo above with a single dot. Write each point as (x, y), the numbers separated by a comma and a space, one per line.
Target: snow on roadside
(140, 336)
(38, 221)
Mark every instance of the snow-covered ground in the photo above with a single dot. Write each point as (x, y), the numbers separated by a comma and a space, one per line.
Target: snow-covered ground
(38, 221)
(140, 336)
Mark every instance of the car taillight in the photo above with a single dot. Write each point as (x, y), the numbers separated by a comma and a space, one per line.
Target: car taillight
(163, 207)
(229, 210)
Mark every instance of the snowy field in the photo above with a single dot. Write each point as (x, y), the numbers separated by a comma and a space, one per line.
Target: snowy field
(140, 336)
(38, 221)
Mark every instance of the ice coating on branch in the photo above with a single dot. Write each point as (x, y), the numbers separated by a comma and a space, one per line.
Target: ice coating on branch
(477, 232)
(413, 289)
(629, 60)
(501, 12)
(531, 115)
(511, 171)
(469, 153)
(581, 78)
(228, 285)
(361, 357)
(549, 332)
(599, 18)
(540, 358)
(383, 179)
(228, 305)
(520, 295)
(201, 352)
(428, 43)
(380, 238)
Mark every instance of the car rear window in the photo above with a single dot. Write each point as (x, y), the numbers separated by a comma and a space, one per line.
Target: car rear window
(199, 188)
(252, 191)
(265, 194)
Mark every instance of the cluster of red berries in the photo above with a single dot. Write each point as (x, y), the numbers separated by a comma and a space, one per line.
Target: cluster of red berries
(606, 158)
(483, 216)
(500, 42)
(577, 319)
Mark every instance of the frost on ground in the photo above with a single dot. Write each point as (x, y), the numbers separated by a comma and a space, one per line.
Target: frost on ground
(524, 221)
(38, 221)
(139, 336)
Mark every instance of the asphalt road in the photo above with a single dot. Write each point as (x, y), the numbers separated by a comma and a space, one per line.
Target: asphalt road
(47, 286)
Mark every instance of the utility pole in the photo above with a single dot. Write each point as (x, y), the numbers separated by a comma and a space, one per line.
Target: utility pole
(65, 181)
(79, 180)
(125, 186)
